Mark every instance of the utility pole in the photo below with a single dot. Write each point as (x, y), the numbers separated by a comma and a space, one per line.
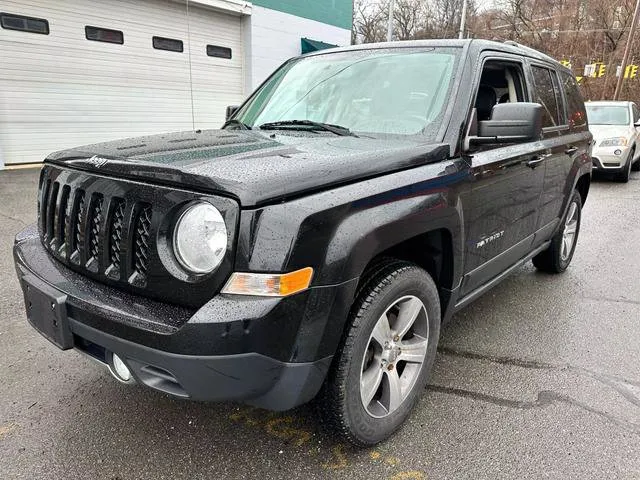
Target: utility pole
(627, 50)
(463, 19)
(390, 20)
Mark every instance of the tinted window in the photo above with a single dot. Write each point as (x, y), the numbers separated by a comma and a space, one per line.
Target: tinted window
(161, 43)
(636, 113)
(546, 96)
(24, 24)
(220, 52)
(576, 113)
(104, 35)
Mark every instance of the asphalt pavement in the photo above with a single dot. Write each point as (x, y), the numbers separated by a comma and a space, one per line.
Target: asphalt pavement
(540, 378)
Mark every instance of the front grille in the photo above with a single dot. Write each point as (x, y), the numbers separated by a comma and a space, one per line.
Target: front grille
(73, 224)
(117, 232)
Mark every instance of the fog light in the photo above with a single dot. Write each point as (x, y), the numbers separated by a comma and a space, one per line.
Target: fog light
(119, 369)
(617, 152)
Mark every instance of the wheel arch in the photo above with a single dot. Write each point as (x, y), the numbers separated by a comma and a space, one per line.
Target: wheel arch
(432, 250)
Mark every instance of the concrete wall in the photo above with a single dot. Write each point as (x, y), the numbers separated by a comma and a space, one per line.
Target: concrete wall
(275, 37)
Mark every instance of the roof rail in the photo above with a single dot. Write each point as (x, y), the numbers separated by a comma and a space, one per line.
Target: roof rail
(529, 49)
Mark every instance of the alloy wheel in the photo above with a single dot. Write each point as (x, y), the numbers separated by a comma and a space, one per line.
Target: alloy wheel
(395, 353)
(569, 232)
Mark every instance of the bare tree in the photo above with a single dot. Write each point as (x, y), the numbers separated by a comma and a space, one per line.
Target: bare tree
(369, 22)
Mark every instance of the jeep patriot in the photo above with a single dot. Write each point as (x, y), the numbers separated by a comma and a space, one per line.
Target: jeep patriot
(313, 246)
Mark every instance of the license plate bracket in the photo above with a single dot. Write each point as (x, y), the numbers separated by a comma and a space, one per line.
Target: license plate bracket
(47, 311)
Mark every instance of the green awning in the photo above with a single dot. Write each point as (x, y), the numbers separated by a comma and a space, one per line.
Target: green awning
(309, 45)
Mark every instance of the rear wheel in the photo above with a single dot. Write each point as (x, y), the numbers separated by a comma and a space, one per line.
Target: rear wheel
(557, 257)
(384, 360)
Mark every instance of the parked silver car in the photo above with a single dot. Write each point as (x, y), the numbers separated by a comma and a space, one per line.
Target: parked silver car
(616, 132)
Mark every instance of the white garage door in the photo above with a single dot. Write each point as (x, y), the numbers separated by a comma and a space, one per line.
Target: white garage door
(61, 89)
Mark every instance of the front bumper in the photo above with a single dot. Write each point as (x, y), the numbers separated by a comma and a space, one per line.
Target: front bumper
(269, 352)
(606, 160)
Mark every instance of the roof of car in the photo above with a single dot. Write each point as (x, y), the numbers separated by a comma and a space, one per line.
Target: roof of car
(508, 46)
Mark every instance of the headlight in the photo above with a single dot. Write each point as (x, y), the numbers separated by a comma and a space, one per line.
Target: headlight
(614, 142)
(200, 238)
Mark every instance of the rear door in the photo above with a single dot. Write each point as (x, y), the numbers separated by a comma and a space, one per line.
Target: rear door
(501, 208)
(566, 134)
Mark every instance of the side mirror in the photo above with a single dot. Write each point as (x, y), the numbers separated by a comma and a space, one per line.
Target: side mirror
(637, 124)
(510, 123)
(231, 110)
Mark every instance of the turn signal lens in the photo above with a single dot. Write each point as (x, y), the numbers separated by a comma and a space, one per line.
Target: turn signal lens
(269, 285)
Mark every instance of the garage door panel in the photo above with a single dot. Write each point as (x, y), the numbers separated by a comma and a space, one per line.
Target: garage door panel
(61, 90)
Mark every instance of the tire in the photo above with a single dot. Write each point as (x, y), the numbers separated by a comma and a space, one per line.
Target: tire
(635, 167)
(623, 177)
(395, 289)
(556, 259)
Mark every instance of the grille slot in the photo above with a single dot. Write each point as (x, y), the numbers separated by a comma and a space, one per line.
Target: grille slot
(141, 239)
(94, 224)
(77, 229)
(43, 195)
(116, 226)
(62, 219)
(50, 211)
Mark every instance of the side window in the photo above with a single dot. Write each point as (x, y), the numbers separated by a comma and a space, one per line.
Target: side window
(500, 82)
(636, 113)
(546, 95)
(577, 115)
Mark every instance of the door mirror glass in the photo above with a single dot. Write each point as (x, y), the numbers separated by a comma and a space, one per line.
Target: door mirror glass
(510, 123)
(231, 110)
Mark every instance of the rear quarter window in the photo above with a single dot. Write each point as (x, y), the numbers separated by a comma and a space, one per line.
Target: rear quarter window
(576, 113)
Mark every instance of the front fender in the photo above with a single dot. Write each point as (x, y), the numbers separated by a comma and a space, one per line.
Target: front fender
(337, 232)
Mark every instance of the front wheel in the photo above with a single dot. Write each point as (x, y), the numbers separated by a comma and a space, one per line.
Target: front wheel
(623, 177)
(385, 357)
(557, 257)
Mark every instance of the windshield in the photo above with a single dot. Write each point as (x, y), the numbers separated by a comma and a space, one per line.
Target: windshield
(392, 91)
(607, 115)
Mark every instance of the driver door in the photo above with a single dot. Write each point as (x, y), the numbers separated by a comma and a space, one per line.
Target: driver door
(501, 208)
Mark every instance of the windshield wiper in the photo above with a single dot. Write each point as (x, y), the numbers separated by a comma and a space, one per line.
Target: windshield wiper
(308, 125)
(238, 123)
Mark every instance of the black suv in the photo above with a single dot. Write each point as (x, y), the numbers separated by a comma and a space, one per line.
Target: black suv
(314, 245)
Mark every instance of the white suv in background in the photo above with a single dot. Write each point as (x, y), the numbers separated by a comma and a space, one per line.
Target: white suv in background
(616, 133)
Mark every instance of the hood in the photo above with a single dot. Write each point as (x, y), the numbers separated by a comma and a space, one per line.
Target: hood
(600, 132)
(254, 167)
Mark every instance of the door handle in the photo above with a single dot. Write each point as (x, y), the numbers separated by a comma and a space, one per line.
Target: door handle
(537, 160)
(571, 150)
